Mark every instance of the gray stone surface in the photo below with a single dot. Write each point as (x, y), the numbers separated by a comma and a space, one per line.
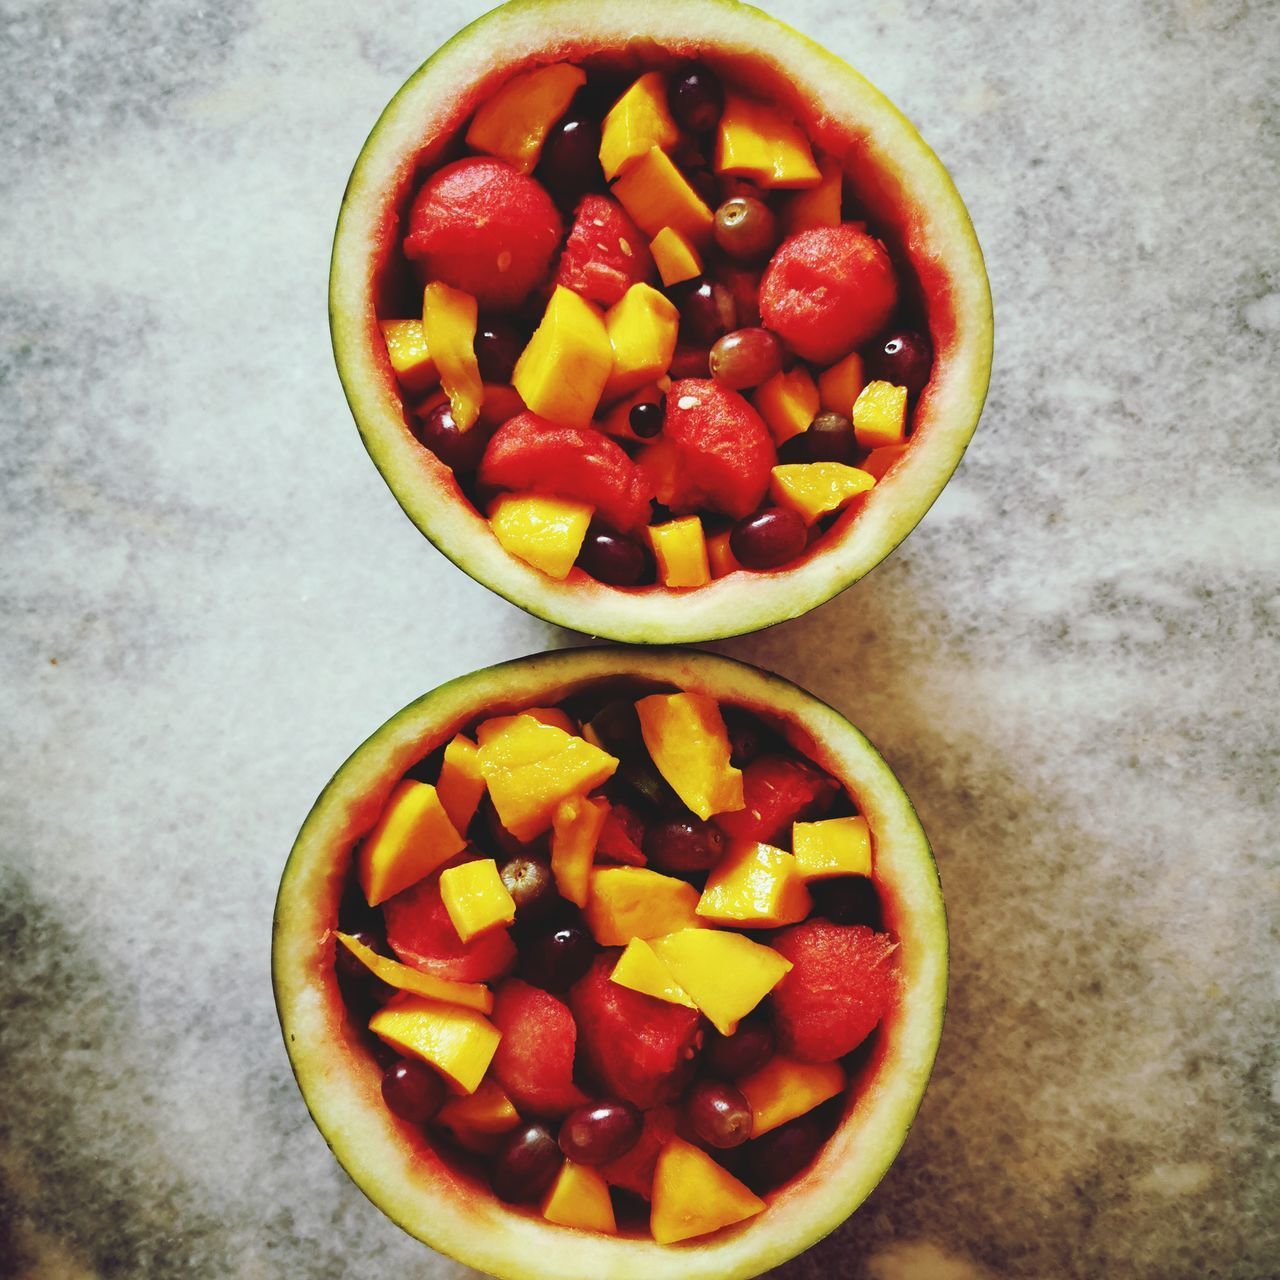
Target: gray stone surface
(210, 597)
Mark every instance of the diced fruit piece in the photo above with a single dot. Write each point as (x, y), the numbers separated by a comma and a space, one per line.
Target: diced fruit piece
(768, 539)
(534, 1061)
(755, 886)
(461, 784)
(693, 1195)
(633, 902)
(788, 402)
(601, 1131)
(816, 489)
(481, 227)
(835, 847)
(847, 900)
(687, 738)
(556, 960)
(412, 1090)
(718, 1113)
(475, 898)
(783, 1089)
(827, 291)
(403, 977)
(478, 1119)
(576, 827)
(656, 194)
(738, 1055)
(746, 358)
(720, 556)
(458, 1042)
(880, 415)
(531, 886)
(569, 166)
(531, 767)
(525, 1164)
(634, 1170)
(684, 845)
(777, 790)
(642, 331)
(543, 531)
(604, 254)
(579, 1197)
(838, 386)
(434, 428)
(820, 205)
(757, 140)
(745, 228)
(878, 461)
(495, 726)
(638, 121)
(830, 438)
(642, 1050)
(407, 350)
(680, 549)
(725, 974)
(904, 358)
(622, 836)
(449, 323)
(676, 258)
(616, 727)
(614, 558)
(779, 1155)
(514, 123)
(412, 837)
(422, 935)
(841, 983)
(696, 98)
(640, 969)
(562, 371)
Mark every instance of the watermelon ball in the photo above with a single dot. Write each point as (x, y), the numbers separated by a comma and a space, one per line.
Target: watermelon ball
(481, 227)
(827, 291)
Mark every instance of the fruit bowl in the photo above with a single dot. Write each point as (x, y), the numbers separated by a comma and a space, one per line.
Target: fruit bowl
(439, 1194)
(678, 568)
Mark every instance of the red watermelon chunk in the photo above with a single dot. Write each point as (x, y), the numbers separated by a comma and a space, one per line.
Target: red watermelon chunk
(534, 1058)
(604, 254)
(777, 791)
(422, 935)
(621, 837)
(633, 1171)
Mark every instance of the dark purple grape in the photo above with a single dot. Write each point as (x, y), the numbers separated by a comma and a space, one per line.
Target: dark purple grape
(412, 1090)
(615, 559)
(780, 1154)
(904, 358)
(555, 961)
(461, 450)
(741, 1053)
(532, 886)
(746, 229)
(847, 900)
(689, 362)
(769, 538)
(684, 845)
(718, 1113)
(570, 163)
(746, 735)
(696, 98)
(647, 417)
(830, 438)
(706, 311)
(497, 346)
(600, 1132)
(746, 358)
(525, 1164)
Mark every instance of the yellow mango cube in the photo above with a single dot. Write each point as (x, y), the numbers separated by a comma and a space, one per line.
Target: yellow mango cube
(412, 837)
(638, 121)
(471, 995)
(726, 974)
(759, 141)
(543, 531)
(783, 1089)
(492, 728)
(832, 847)
(575, 829)
(838, 386)
(458, 1042)
(820, 206)
(640, 969)
(694, 1195)
(579, 1197)
(562, 371)
(514, 123)
(720, 555)
(686, 736)
(680, 548)
(449, 324)
(880, 415)
(642, 328)
(478, 1120)
(788, 402)
(676, 258)
(755, 886)
(407, 350)
(633, 902)
(461, 784)
(816, 489)
(656, 194)
(878, 461)
(475, 898)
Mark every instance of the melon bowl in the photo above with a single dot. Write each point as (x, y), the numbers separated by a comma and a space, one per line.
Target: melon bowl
(396, 1165)
(910, 200)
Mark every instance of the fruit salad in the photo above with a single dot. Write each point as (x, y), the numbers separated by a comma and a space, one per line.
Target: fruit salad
(620, 959)
(649, 325)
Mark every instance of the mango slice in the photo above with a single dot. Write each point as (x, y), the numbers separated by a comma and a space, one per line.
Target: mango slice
(816, 489)
(478, 1120)
(475, 898)
(640, 969)
(693, 1195)
(642, 328)
(788, 402)
(755, 886)
(820, 206)
(461, 784)
(633, 902)
(680, 548)
(543, 531)
(562, 371)
(878, 461)
(407, 350)
(656, 194)
(833, 847)
(758, 141)
(686, 737)
(575, 829)
(490, 729)
(470, 995)
(449, 324)
(458, 1042)
(514, 123)
(638, 121)
(880, 415)
(720, 554)
(783, 1089)
(412, 837)
(838, 386)
(676, 258)
(579, 1197)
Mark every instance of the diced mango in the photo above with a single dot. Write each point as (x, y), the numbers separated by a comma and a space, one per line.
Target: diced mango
(461, 784)
(579, 1197)
(638, 121)
(471, 995)
(788, 402)
(575, 829)
(755, 886)
(490, 729)
(816, 489)
(676, 258)
(720, 555)
(642, 328)
(407, 350)
(458, 1042)
(449, 323)
(686, 737)
(475, 898)
(412, 837)
(820, 206)
(478, 1120)
(726, 974)
(693, 1195)
(878, 461)
(839, 385)
(656, 194)
(680, 548)
(633, 902)
(543, 531)
(833, 847)
(514, 123)
(783, 1089)
(757, 140)
(640, 969)
(562, 371)
(880, 415)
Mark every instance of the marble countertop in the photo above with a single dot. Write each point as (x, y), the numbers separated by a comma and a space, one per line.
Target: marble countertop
(210, 597)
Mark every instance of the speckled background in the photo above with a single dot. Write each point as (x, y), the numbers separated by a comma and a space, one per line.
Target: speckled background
(209, 597)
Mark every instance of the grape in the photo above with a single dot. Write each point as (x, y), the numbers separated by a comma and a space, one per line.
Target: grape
(555, 961)
(769, 538)
(718, 1113)
(600, 1132)
(746, 358)
(437, 430)
(684, 845)
(525, 1164)
(412, 1090)
(904, 358)
(615, 559)
(830, 438)
(696, 98)
(746, 229)
(530, 883)
(741, 1053)
(647, 417)
(497, 347)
